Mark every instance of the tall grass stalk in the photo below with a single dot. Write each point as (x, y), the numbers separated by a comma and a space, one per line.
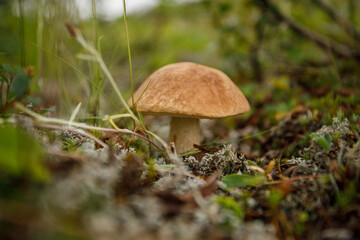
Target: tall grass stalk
(95, 94)
(39, 36)
(97, 56)
(170, 154)
(129, 56)
(64, 90)
(74, 113)
(22, 33)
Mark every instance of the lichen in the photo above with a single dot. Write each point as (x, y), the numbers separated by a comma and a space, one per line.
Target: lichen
(224, 160)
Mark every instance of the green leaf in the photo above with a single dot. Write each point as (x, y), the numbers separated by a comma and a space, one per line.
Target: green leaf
(324, 143)
(3, 78)
(20, 155)
(19, 84)
(18, 70)
(252, 163)
(235, 180)
(314, 135)
(8, 69)
(328, 138)
(275, 198)
(230, 204)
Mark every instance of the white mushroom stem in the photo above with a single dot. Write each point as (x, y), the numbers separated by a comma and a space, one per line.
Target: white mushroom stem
(184, 132)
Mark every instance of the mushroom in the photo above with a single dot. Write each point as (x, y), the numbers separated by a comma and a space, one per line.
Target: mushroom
(188, 91)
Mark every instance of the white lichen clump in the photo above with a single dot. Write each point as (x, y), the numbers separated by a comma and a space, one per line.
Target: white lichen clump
(319, 158)
(337, 127)
(224, 159)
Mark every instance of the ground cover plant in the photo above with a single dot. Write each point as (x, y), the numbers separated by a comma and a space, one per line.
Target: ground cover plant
(76, 162)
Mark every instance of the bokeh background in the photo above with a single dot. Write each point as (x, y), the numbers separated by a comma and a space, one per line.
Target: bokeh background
(289, 52)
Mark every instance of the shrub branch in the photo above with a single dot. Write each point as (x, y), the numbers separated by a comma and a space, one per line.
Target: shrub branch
(339, 49)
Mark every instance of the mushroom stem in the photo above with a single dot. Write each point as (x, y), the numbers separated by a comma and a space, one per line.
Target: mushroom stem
(184, 132)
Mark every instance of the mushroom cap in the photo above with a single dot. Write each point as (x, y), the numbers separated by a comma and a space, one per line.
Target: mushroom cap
(188, 89)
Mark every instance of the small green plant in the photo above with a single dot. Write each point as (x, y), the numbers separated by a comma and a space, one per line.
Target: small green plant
(300, 226)
(258, 161)
(235, 180)
(274, 199)
(232, 212)
(323, 141)
(151, 176)
(306, 141)
(306, 155)
(348, 196)
(231, 205)
(70, 144)
(14, 84)
(355, 119)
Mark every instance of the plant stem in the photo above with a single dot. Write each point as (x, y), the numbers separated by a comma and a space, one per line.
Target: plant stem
(95, 97)
(129, 55)
(39, 37)
(22, 33)
(6, 95)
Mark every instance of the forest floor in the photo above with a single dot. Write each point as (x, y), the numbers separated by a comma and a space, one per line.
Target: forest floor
(290, 175)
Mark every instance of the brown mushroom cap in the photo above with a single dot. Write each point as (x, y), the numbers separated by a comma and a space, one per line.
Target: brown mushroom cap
(190, 90)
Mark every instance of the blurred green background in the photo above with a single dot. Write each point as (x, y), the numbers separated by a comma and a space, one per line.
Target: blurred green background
(264, 46)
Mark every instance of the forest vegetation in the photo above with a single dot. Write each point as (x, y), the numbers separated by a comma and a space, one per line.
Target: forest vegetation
(77, 162)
